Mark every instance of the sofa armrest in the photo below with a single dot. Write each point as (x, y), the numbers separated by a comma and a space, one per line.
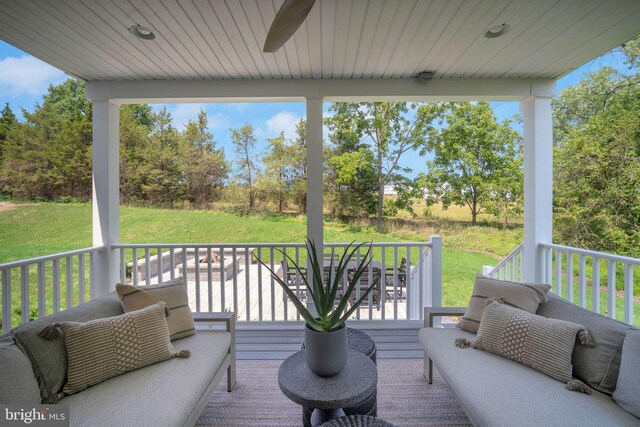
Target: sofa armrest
(229, 318)
(431, 312)
(226, 317)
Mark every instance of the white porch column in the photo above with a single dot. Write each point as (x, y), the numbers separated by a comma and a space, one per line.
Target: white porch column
(315, 167)
(538, 184)
(315, 179)
(106, 195)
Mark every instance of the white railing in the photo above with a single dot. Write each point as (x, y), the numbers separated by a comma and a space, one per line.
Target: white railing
(570, 271)
(234, 281)
(32, 288)
(510, 268)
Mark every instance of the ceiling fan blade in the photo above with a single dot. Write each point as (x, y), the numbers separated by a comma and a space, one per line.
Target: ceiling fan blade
(291, 15)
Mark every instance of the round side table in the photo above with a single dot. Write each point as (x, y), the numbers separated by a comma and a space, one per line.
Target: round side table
(363, 343)
(327, 396)
(357, 421)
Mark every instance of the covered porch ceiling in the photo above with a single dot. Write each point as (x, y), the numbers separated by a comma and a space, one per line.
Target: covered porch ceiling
(371, 41)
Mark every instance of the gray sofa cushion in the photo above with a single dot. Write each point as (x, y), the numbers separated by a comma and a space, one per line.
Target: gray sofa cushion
(627, 392)
(17, 383)
(539, 342)
(495, 391)
(597, 366)
(525, 296)
(163, 394)
(49, 358)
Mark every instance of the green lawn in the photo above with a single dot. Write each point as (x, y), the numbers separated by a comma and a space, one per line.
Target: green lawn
(45, 228)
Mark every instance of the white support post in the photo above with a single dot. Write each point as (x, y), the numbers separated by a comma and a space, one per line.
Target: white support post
(106, 194)
(315, 176)
(538, 185)
(435, 267)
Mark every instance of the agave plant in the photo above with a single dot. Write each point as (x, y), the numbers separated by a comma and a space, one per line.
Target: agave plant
(331, 312)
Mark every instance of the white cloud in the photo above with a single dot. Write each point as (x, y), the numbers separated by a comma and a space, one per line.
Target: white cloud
(182, 113)
(284, 121)
(219, 121)
(27, 75)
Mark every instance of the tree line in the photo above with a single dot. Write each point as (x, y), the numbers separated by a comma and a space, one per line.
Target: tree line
(47, 156)
(597, 158)
(473, 160)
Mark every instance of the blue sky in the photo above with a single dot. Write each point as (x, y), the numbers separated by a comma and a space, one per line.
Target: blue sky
(24, 80)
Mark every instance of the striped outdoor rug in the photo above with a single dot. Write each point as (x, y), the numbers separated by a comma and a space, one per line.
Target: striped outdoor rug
(404, 398)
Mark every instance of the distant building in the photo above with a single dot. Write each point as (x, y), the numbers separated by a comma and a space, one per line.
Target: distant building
(390, 189)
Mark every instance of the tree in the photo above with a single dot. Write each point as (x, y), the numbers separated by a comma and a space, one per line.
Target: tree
(164, 180)
(475, 159)
(135, 151)
(393, 129)
(244, 142)
(597, 158)
(49, 155)
(202, 164)
(352, 183)
(276, 180)
(7, 121)
(597, 184)
(298, 158)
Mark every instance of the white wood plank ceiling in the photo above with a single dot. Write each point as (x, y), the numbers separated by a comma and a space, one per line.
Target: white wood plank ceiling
(222, 39)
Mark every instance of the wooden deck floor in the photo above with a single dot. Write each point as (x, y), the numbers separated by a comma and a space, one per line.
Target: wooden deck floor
(264, 343)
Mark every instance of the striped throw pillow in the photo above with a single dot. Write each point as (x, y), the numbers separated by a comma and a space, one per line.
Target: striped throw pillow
(104, 348)
(541, 343)
(524, 296)
(172, 292)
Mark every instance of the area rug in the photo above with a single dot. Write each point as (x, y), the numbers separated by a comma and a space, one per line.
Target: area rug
(404, 398)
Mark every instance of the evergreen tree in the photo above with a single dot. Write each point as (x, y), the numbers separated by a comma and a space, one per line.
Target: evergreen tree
(8, 121)
(202, 165)
(244, 142)
(298, 155)
(276, 180)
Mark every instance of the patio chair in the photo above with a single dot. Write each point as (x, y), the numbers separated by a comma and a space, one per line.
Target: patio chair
(293, 279)
(365, 278)
(401, 276)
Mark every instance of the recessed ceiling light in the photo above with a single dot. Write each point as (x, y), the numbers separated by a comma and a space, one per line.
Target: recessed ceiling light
(497, 31)
(142, 32)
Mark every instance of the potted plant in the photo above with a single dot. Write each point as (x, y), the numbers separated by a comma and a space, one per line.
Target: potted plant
(326, 331)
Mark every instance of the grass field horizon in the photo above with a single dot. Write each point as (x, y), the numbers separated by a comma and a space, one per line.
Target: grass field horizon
(34, 229)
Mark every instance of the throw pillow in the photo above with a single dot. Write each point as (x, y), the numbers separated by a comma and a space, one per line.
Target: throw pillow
(104, 348)
(597, 366)
(524, 296)
(543, 344)
(49, 357)
(627, 392)
(173, 292)
(17, 382)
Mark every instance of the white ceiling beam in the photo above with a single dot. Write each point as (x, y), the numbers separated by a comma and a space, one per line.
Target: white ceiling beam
(331, 90)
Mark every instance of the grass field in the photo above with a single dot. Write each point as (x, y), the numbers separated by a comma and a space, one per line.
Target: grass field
(31, 230)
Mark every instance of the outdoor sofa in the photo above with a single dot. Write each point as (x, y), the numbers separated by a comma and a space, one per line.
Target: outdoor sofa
(169, 393)
(496, 391)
